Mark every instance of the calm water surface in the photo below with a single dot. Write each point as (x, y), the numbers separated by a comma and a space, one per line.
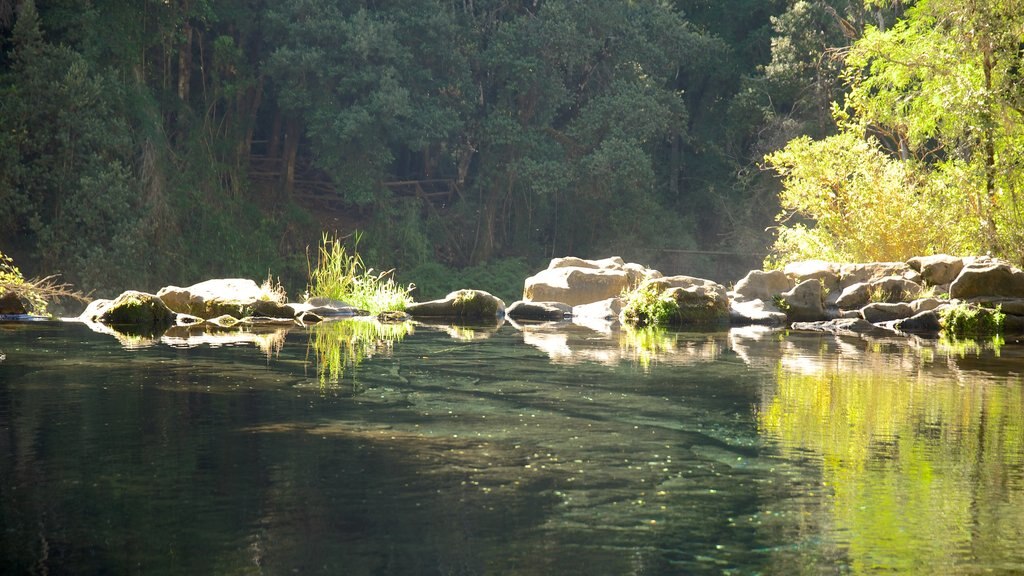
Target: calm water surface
(507, 452)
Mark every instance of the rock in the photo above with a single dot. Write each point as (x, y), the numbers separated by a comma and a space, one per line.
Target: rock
(884, 311)
(93, 311)
(855, 296)
(987, 278)
(926, 322)
(894, 289)
(925, 304)
(937, 269)
(318, 301)
(11, 303)
(755, 312)
(1013, 306)
(805, 302)
(842, 326)
(541, 311)
(139, 311)
(637, 273)
(887, 289)
(327, 308)
(575, 285)
(234, 296)
(607, 309)
(826, 272)
(850, 274)
(460, 305)
(762, 285)
(699, 302)
(271, 309)
(1013, 324)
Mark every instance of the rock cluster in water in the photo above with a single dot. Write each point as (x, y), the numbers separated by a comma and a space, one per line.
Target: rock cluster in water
(907, 297)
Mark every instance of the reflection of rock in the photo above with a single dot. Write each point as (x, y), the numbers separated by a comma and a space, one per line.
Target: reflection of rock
(477, 331)
(127, 340)
(841, 326)
(270, 341)
(470, 305)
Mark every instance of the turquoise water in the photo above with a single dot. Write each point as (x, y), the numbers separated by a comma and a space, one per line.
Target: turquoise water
(500, 451)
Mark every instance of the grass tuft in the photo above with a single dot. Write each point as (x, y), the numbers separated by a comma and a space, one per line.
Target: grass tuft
(341, 275)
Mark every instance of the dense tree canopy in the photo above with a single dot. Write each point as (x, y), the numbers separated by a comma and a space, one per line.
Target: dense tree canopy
(150, 142)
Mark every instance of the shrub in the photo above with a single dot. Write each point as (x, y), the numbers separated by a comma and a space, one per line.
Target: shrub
(646, 307)
(972, 321)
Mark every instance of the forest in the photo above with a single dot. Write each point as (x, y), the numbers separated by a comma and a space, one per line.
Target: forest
(150, 142)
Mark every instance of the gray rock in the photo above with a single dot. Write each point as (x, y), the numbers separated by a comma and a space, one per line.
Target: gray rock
(826, 272)
(925, 304)
(926, 322)
(937, 269)
(471, 305)
(884, 311)
(805, 302)
(540, 311)
(850, 274)
(234, 296)
(93, 311)
(762, 285)
(575, 285)
(987, 278)
(855, 296)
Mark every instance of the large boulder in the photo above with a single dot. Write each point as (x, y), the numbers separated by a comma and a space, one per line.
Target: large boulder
(805, 302)
(937, 269)
(575, 285)
(825, 272)
(886, 289)
(470, 305)
(850, 274)
(762, 285)
(233, 296)
(138, 312)
(987, 278)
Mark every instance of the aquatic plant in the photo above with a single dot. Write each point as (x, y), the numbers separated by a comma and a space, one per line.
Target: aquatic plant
(971, 321)
(341, 275)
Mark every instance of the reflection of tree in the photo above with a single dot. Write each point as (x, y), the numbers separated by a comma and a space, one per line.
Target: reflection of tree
(924, 469)
(345, 343)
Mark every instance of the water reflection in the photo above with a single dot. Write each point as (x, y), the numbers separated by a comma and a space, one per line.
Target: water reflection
(921, 455)
(344, 344)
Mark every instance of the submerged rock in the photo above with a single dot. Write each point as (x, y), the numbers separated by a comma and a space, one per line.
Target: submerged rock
(474, 305)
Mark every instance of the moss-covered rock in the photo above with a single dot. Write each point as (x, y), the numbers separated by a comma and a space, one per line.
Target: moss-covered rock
(680, 301)
(472, 305)
(238, 297)
(139, 312)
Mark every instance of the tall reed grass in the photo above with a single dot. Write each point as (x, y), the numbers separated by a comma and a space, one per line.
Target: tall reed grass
(342, 275)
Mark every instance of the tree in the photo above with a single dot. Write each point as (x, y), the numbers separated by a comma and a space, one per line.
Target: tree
(939, 92)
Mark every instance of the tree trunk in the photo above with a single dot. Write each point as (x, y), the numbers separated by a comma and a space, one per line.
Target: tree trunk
(291, 150)
(185, 62)
(988, 63)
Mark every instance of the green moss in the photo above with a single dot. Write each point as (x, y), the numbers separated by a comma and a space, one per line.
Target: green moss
(972, 321)
(473, 304)
(139, 312)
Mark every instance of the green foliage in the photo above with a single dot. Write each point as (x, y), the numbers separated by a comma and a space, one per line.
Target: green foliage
(645, 306)
(927, 154)
(342, 275)
(12, 282)
(971, 321)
